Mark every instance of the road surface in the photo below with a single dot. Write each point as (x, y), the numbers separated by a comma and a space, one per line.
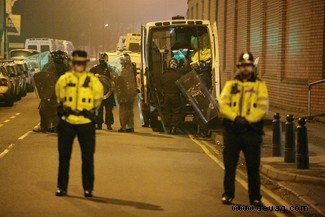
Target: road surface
(141, 174)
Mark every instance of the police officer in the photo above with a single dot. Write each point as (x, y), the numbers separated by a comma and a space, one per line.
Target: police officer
(243, 103)
(45, 82)
(104, 69)
(126, 91)
(60, 61)
(172, 107)
(79, 94)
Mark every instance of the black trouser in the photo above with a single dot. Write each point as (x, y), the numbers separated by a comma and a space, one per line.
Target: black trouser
(250, 143)
(126, 113)
(86, 137)
(172, 110)
(109, 118)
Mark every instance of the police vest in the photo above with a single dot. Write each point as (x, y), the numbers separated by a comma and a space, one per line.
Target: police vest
(247, 99)
(79, 91)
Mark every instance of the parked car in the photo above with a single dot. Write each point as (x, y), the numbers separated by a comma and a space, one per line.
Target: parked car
(21, 54)
(7, 87)
(23, 77)
(22, 66)
(12, 71)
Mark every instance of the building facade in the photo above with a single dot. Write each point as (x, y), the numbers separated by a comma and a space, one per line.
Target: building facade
(287, 35)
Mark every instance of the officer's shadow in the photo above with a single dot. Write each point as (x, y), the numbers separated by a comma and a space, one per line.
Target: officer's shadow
(138, 205)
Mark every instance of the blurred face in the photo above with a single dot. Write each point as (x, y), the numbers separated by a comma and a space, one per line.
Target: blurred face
(78, 66)
(245, 69)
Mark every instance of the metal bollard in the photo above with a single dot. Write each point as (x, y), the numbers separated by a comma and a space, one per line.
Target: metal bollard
(290, 144)
(277, 136)
(302, 145)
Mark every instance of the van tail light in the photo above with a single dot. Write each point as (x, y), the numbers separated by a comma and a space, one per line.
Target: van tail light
(4, 82)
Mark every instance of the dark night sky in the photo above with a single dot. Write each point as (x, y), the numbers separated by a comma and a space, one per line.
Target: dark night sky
(75, 19)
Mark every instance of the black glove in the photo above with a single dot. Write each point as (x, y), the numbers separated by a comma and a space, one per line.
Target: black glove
(241, 121)
(90, 115)
(62, 111)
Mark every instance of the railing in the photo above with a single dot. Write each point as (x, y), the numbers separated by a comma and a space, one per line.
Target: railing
(309, 94)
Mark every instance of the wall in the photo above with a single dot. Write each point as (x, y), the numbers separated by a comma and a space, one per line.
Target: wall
(287, 35)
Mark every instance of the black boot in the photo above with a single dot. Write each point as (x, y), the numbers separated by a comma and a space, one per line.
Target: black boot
(130, 130)
(257, 203)
(226, 199)
(60, 193)
(88, 193)
(121, 130)
(99, 127)
(172, 130)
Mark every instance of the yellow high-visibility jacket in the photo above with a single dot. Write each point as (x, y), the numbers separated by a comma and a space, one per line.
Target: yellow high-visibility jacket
(79, 91)
(205, 55)
(247, 99)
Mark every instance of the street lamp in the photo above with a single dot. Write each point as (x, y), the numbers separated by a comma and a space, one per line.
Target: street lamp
(104, 35)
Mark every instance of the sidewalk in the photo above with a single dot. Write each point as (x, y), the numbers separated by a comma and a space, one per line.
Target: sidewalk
(309, 184)
(274, 167)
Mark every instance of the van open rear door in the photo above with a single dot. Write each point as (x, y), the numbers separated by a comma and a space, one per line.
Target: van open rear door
(143, 96)
(144, 62)
(217, 80)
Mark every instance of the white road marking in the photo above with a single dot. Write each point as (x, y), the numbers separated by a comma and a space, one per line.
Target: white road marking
(12, 117)
(7, 121)
(6, 151)
(24, 136)
(241, 181)
(17, 114)
(1, 125)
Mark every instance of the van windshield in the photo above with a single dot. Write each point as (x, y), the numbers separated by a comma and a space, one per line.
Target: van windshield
(183, 42)
(135, 47)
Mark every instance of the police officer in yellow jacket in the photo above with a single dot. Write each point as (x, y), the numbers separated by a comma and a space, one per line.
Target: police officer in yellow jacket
(79, 93)
(243, 103)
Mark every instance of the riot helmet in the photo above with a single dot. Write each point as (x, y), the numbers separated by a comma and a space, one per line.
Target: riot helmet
(103, 58)
(246, 58)
(173, 64)
(125, 59)
(58, 56)
(203, 66)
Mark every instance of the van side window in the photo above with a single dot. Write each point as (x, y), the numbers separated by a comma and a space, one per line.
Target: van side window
(45, 48)
(32, 47)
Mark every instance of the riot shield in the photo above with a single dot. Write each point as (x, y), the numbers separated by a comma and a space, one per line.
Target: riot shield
(108, 85)
(201, 100)
(44, 82)
(46, 79)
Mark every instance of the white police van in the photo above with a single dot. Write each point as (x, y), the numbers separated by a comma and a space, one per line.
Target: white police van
(190, 40)
(48, 44)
